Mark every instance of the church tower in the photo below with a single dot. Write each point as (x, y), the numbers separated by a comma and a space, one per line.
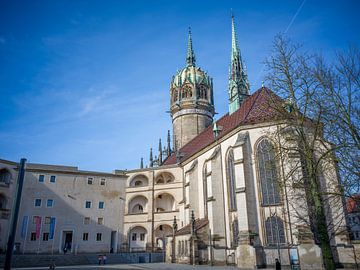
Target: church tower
(239, 88)
(191, 100)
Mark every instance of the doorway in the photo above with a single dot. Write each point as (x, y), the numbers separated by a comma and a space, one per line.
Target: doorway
(67, 242)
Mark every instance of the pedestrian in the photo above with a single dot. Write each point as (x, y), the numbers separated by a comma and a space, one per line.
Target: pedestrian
(100, 258)
(277, 264)
(52, 266)
(104, 258)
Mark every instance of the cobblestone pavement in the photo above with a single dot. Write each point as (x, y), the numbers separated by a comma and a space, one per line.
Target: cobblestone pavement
(143, 266)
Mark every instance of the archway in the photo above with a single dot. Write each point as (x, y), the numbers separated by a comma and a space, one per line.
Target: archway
(138, 205)
(161, 233)
(164, 203)
(164, 178)
(137, 238)
(139, 181)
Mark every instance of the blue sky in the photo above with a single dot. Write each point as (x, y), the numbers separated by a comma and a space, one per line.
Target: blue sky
(86, 83)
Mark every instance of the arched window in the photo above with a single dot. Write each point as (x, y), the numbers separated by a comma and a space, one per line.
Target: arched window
(274, 228)
(268, 173)
(186, 92)
(231, 180)
(175, 95)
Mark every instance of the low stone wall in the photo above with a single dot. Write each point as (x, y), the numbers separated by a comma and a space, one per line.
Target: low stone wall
(31, 260)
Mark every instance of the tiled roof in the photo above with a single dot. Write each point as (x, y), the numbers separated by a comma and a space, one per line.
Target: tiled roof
(353, 204)
(257, 108)
(199, 223)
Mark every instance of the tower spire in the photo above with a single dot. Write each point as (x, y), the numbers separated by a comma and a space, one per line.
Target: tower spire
(239, 87)
(151, 158)
(234, 45)
(168, 144)
(190, 56)
(160, 153)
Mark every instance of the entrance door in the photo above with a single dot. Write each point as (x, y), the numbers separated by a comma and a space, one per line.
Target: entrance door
(67, 243)
(113, 242)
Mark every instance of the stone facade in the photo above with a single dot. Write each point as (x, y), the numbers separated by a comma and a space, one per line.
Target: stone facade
(88, 208)
(215, 198)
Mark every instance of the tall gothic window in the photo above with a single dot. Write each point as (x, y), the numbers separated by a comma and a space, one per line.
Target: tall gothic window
(268, 173)
(275, 234)
(231, 180)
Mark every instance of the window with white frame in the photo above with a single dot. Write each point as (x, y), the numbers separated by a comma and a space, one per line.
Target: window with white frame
(50, 203)
(88, 204)
(37, 202)
(52, 178)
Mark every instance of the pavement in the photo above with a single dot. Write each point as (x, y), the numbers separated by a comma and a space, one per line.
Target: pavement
(143, 266)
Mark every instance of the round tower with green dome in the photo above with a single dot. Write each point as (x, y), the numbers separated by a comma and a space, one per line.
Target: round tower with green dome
(191, 100)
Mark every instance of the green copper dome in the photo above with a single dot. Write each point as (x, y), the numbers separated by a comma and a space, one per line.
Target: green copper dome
(191, 83)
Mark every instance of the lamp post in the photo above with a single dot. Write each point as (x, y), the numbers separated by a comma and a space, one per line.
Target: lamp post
(11, 240)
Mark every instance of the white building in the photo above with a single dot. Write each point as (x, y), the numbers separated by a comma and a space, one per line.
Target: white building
(220, 181)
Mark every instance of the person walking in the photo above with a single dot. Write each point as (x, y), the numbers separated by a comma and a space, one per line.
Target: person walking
(277, 264)
(104, 258)
(100, 258)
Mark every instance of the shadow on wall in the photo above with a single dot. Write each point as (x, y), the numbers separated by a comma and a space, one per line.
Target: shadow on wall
(77, 229)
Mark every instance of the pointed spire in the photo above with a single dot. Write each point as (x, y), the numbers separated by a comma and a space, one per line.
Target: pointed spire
(168, 144)
(151, 159)
(234, 45)
(190, 57)
(239, 87)
(141, 163)
(160, 153)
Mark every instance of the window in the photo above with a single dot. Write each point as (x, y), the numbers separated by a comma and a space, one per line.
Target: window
(5, 176)
(50, 203)
(231, 180)
(52, 178)
(85, 236)
(47, 220)
(37, 203)
(142, 236)
(274, 228)
(138, 183)
(98, 236)
(34, 219)
(88, 204)
(86, 220)
(90, 181)
(133, 237)
(41, 178)
(2, 201)
(45, 236)
(268, 173)
(33, 236)
(101, 205)
(102, 181)
(100, 221)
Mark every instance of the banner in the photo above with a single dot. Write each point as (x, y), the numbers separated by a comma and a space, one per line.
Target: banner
(38, 226)
(52, 228)
(24, 226)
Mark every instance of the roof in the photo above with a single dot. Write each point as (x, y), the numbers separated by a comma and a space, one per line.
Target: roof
(255, 109)
(199, 223)
(353, 204)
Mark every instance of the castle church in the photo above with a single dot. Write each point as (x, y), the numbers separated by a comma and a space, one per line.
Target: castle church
(212, 195)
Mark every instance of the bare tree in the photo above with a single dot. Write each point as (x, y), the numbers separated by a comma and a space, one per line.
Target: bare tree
(318, 129)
